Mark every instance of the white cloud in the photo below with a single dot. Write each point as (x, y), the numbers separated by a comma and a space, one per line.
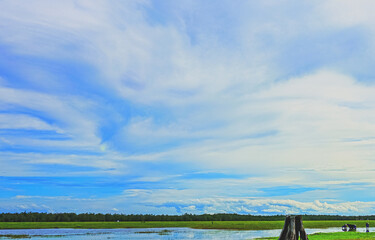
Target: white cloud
(178, 202)
(128, 50)
(347, 13)
(66, 112)
(317, 117)
(22, 121)
(229, 105)
(283, 206)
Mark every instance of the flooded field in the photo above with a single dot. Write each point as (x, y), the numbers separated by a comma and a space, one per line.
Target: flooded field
(145, 233)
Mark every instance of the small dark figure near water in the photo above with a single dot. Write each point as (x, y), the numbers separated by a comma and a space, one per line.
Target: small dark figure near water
(352, 227)
(367, 227)
(344, 228)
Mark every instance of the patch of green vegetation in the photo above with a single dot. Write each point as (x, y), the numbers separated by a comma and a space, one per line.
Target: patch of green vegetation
(142, 232)
(336, 236)
(10, 236)
(238, 225)
(162, 232)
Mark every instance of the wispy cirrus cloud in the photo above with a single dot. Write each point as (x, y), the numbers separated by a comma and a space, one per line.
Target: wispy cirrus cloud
(179, 98)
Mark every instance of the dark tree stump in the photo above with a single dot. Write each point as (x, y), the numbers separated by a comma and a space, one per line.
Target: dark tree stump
(293, 229)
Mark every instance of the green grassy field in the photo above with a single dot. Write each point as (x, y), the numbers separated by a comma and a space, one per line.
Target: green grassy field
(337, 236)
(242, 225)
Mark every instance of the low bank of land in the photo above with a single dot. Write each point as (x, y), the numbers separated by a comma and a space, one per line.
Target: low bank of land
(336, 236)
(238, 225)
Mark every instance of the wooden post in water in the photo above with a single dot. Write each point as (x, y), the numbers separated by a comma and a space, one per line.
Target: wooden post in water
(293, 229)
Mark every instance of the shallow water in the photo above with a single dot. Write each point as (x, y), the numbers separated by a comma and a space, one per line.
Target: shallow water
(149, 233)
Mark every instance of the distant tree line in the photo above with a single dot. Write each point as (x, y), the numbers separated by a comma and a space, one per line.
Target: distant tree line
(99, 217)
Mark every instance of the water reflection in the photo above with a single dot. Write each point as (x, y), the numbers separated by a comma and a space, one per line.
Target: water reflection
(147, 233)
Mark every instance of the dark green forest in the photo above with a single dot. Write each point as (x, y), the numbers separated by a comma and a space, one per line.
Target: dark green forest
(99, 217)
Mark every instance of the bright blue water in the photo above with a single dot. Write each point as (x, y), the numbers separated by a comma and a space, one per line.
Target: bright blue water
(149, 233)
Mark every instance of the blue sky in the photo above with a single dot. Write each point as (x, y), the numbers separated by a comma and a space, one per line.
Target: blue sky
(171, 107)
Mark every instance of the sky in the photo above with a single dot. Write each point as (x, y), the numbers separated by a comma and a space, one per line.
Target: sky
(173, 107)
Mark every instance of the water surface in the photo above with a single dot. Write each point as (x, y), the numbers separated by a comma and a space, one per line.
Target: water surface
(148, 233)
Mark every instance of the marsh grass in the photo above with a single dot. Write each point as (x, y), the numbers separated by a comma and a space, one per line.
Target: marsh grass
(336, 236)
